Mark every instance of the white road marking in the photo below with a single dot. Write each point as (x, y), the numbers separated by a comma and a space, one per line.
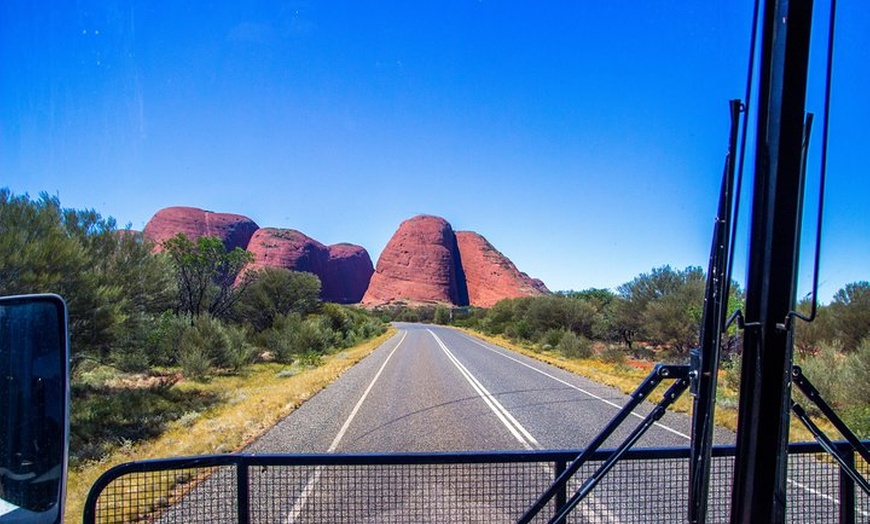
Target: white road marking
(572, 386)
(823, 495)
(302, 501)
(599, 515)
(675, 432)
(516, 429)
(343, 430)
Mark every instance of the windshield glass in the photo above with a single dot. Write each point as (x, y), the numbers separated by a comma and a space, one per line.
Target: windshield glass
(286, 179)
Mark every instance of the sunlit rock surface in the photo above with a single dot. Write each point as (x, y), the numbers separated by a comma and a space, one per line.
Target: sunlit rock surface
(233, 230)
(420, 264)
(490, 275)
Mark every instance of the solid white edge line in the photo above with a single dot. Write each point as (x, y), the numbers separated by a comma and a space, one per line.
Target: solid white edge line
(359, 403)
(572, 386)
(795, 483)
(512, 424)
(302, 501)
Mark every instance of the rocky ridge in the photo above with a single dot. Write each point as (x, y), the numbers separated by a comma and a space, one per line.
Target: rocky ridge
(425, 261)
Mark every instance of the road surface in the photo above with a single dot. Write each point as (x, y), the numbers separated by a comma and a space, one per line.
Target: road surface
(435, 389)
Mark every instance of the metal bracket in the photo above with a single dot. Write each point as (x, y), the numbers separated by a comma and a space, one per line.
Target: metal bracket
(679, 373)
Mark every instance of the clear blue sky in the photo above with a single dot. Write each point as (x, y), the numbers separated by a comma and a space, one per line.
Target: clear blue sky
(585, 140)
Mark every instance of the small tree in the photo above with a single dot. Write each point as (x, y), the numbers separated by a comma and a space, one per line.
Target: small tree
(206, 275)
(850, 314)
(442, 315)
(664, 306)
(277, 291)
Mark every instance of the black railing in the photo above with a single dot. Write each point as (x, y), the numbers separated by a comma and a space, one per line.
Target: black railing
(648, 486)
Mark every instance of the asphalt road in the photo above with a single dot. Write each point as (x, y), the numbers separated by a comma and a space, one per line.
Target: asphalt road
(435, 389)
(432, 388)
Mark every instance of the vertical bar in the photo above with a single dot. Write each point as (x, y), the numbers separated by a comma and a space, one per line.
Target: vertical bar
(562, 494)
(759, 486)
(715, 311)
(243, 488)
(847, 488)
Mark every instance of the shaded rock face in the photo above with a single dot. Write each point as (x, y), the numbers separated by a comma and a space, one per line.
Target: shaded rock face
(233, 230)
(348, 272)
(344, 270)
(490, 275)
(420, 264)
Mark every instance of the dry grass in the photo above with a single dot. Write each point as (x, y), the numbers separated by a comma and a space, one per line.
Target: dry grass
(252, 404)
(626, 377)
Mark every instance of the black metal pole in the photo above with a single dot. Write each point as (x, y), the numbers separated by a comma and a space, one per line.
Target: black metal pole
(715, 311)
(759, 487)
(847, 489)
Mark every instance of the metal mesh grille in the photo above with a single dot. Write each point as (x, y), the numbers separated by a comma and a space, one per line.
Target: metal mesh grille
(181, 495)
(395, 493)
(650, 487)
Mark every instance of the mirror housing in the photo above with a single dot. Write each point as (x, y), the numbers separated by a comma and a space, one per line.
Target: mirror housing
(34, 408)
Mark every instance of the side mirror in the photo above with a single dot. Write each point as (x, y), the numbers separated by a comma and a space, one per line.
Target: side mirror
(34, 408)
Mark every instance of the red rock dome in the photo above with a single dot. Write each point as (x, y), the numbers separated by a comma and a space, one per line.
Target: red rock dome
(233, 230)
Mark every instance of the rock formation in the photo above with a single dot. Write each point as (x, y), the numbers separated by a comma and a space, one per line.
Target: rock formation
(344, 269)
(234, 230)
(490, 275)
(348, 272)
(289, 249)
(420, 264)
(425, 262)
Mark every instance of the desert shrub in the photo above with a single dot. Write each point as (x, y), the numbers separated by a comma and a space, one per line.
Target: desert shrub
(520, 331)
(731, 372)
(857, 376)
(612, 355)
(826, 370)
(367, 328)
(575, 346)
(279, 339)
(237, 352)
(274, 292)
(313, 335)
(442, 316)
(310, 358)
(551, 338)
(164, 338)
(193, 357)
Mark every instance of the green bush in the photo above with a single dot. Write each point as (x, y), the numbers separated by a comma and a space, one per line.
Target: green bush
(551, 338)
(857, 375)
(313, 335)
(193, 357)
(572, 345)
(826, 371)
(279, 339)
(442, 316)
(237, 352)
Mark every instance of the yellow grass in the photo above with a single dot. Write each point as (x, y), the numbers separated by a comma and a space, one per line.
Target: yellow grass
(253, 403)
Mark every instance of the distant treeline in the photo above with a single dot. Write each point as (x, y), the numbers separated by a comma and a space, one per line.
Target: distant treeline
(188, 306)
